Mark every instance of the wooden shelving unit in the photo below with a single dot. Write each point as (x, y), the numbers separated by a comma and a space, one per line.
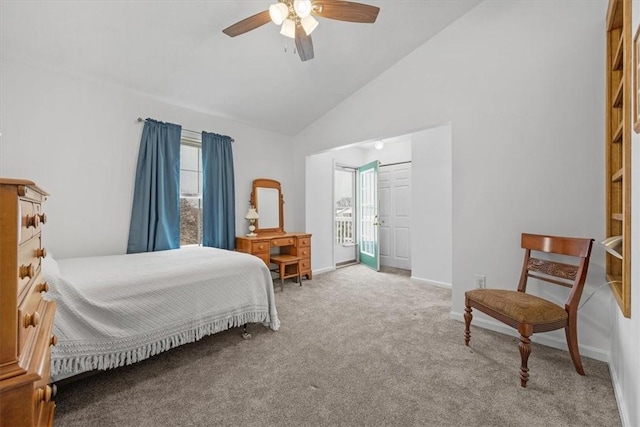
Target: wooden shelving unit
(618, 148)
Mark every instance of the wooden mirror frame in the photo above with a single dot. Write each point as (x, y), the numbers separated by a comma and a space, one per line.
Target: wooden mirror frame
(268, 183)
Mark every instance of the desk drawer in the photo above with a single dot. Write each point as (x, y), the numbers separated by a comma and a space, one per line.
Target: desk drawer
(304, 242)
(285, 241)
(304, 252)
(259, 247)
(305, 266)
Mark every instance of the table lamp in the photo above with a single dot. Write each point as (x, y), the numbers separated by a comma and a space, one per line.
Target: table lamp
(252, 216)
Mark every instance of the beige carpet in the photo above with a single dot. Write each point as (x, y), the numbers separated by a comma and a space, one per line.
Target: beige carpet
(358, 348)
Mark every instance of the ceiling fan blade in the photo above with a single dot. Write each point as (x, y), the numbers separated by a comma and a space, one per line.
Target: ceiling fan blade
(345, 11)
(304, 45)
(248, 24)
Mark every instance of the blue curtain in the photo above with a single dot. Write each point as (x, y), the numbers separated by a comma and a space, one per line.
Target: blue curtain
(218, 192)
(155, 215)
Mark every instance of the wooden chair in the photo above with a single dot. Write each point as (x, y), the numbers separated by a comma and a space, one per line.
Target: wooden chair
(528, 313)
(288, 266)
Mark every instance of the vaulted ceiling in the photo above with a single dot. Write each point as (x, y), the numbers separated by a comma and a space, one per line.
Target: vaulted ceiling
(175, 51)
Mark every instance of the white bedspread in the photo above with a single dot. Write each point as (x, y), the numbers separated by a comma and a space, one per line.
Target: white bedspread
(117, 310)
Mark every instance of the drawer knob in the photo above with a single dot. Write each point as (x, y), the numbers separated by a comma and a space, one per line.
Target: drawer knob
(26, 271)
(42, 287)
(41, 252)
(44, 394)
(31, 319)
(43, 218)
(54, 340)
(33, 221)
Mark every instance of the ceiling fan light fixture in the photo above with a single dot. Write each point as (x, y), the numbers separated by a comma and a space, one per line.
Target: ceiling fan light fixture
(309, 23)
(278, 12)
(302, 8)
(288, 28)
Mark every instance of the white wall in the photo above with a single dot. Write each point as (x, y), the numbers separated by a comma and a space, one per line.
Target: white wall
(319, 209)
(522, 85)
(79, 140)
(431, 210)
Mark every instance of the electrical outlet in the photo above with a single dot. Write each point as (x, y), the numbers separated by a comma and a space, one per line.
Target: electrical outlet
(480, 281)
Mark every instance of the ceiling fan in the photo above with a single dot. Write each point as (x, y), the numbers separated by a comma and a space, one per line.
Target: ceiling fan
(297, 19)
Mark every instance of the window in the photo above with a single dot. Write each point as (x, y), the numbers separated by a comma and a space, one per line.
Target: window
(190, 192)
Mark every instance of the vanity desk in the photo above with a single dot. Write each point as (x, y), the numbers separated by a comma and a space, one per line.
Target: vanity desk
(269, 237)
(263, 245)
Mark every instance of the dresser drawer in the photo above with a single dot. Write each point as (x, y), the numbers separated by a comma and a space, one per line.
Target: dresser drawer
(32, 194)
(29, 220)
(43, 392)
(28, 313)
(29, 256)
(285, 241)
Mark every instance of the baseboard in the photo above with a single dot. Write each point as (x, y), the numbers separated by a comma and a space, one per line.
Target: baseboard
(585, 350)
(617, 391)
(430, 282)
(323, 270)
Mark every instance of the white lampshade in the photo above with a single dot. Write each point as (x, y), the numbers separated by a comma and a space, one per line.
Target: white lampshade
(252, 214)
(302, 8)
(309, 23)
(289, 28)
(278, 13)
(379, 145)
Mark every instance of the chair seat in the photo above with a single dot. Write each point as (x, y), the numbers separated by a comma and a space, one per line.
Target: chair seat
(284, 259)
(519, 306)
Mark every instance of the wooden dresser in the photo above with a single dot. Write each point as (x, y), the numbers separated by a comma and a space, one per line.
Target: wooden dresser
(26, 319)
(263, 245)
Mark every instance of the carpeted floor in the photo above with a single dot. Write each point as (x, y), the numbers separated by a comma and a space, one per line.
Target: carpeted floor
(355, 347)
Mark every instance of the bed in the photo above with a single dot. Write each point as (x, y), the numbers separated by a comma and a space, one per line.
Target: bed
(120, 309)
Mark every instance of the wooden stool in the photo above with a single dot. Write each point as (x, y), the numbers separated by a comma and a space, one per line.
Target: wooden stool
(283, 261)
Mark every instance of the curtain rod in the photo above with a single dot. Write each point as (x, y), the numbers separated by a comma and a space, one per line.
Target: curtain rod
(140, 120)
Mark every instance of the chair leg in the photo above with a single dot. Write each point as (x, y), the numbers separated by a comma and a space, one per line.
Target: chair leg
(282, 267)
(298, 271)
(467, 324)
(570, 331)
(525, 351)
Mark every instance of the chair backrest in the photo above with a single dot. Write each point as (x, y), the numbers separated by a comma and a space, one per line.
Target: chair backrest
(569, 275)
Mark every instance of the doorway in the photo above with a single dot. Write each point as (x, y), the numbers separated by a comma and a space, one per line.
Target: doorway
(344, 192)
(430, 154)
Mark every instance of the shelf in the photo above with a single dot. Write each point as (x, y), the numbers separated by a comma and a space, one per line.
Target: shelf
(617, 99)
(617, 216)
(617, 59)
(618, 175)
(617, 135)
(618, 146)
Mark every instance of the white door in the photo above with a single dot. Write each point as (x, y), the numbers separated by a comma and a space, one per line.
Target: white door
(394, 193)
